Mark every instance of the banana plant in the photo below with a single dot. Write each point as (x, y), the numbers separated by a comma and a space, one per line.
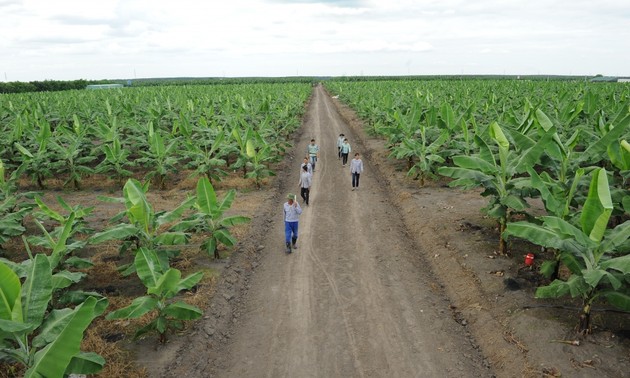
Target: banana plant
(596, 255)
(160, 158)
(46, 342)
(255, 154)
(62, 240)
(499, 175)
(146, 227)
(421, 152)
(38, 163)
(14, 206)
(210, 218)
(204, 158)
(162, 286)
(116, 161)
(72, 156)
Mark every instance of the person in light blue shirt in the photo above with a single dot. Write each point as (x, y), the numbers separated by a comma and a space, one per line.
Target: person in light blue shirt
(312, 151)
(345, 150)
(292, 211)
(339, 143)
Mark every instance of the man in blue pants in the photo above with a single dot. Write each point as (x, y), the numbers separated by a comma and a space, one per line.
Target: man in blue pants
(292, 211)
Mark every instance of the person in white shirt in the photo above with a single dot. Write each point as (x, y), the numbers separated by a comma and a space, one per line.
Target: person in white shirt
(356, 167)
(306, 180)
(307, 164)
(292, 211)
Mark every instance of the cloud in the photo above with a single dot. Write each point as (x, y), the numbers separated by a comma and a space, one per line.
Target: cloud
(382, 37)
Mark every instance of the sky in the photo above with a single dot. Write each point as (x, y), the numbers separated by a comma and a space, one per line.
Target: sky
(127, 39)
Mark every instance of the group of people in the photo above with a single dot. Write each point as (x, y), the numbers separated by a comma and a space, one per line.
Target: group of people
(292, 208)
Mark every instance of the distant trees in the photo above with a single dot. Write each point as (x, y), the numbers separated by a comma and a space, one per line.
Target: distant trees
(46, 85)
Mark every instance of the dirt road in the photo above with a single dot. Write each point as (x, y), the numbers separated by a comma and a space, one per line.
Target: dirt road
(352, 301)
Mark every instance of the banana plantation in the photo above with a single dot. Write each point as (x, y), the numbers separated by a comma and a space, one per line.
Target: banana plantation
(565, 143)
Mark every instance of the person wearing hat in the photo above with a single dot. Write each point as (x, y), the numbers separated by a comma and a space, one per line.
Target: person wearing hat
(292, 211)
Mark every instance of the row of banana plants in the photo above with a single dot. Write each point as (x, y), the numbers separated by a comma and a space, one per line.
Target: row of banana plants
(38, 332)
(144, 133)
(207, 130)
(563, 142)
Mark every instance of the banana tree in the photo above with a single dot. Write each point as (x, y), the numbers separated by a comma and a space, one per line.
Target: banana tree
(498, 175)
(116, 161)
(597, 256)
(204, 157)
(210, 218)
(421, 153)
(255, 154)
(47, 343)
(62, 241)
(146, 227)
(72, 155)
(38, 162)
(162, 286)
(14, 205)
(160, 158)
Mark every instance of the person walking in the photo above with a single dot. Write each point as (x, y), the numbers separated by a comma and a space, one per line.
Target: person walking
(356, 167)
(306, 163)
(312, 151)
(306, 180)
(292, 211)
(345, 150)
(339, 143)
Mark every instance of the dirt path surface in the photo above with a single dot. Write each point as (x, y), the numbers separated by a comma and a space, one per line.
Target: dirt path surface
(353, 300)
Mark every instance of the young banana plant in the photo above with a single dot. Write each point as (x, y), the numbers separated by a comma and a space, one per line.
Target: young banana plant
(499, 175)
(73, 157)
(596, 255)
(116, 161)
(160, 159)
(162, 286)
(255, 154)
(204, 159)
(47, 342)
(145, 227)
(38, 162)
(210, 218)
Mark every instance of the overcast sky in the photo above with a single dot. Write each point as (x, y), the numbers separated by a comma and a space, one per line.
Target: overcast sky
(110, 39)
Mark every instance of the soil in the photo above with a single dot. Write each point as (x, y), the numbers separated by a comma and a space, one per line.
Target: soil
(392, 279)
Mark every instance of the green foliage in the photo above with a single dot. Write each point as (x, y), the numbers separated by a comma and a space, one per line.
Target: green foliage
(62, 241)
(46, 342)
(210, 218)
(499, 173)
(145, 227)
(162, 286)
(14, 206)
(596, 255)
